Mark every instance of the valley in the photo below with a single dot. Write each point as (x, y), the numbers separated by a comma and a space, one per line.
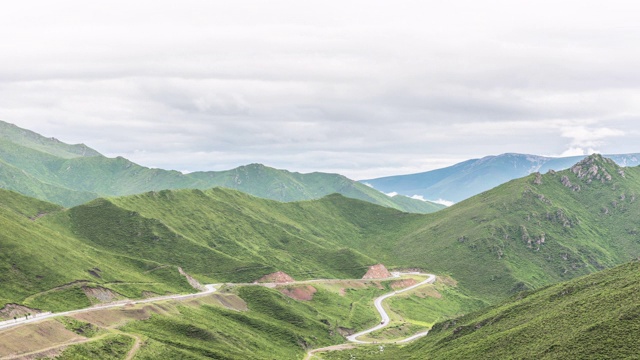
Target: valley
(116, 271)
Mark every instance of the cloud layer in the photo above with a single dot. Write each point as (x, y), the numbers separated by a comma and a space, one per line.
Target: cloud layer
(363, 88)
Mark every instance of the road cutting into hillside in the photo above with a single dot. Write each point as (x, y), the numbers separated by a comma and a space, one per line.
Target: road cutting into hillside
(384, 319)
(209, 289)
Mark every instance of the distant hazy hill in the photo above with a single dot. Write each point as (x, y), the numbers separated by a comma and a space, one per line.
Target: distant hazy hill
(69, 175)
(461, 181)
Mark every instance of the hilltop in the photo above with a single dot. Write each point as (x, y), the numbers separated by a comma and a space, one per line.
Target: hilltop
(70, 175)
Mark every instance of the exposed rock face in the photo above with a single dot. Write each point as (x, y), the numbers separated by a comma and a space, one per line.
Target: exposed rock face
(377, 272)
(277, 277)
(538, 179)
(303, 293)
(593, 168)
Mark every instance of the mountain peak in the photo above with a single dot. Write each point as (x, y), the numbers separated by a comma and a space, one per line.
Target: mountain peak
(596, 167)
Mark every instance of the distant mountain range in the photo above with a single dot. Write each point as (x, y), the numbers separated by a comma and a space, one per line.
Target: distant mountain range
(69, 175)
(461, 181)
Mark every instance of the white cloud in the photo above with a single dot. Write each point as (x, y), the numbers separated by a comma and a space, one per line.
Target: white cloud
(362, 88)
(391, 194)
(439, 201)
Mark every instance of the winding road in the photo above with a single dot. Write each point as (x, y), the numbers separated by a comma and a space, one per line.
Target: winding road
(384, 319)
(211, 288)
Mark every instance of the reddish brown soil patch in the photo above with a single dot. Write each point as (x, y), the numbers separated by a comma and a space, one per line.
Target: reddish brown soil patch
(303, 293)
(401, 284)
(277, 277)
(377, 272)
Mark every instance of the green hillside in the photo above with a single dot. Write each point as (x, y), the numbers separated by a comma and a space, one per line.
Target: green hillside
(522, 235)
(592, 317)
(37, 258)
(70, 175)
(135, 244)
(532, 231)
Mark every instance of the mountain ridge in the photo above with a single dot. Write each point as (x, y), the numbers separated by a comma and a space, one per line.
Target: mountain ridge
(471, 177)
(73, 174)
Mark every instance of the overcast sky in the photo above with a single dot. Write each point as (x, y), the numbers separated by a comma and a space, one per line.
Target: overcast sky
(362, 88)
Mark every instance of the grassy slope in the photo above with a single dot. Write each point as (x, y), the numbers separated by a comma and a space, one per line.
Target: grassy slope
(592, 317)
(33, 249)
(490, 242)
(303, 239)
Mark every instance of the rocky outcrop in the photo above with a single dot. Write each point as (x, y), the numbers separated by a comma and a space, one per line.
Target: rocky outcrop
(378, 271)
(594, 168)
(277, 277)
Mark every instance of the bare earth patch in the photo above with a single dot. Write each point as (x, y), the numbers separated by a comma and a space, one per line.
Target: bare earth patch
(33, 337)
(401, 284)
(11, 310)
(302, 293)
(378, 271)
(100, 294)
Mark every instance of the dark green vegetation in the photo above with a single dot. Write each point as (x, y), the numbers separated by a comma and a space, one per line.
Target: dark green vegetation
(592, 317)
(69, 175)
(466, 179)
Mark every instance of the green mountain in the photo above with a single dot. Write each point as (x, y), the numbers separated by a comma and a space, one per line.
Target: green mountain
(43, 265)
(70, 175)
(592, 317)
(135, 244)
(522, 235)
(532, 231)
(466, 179)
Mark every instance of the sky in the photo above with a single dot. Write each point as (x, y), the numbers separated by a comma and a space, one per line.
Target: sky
(361, 88)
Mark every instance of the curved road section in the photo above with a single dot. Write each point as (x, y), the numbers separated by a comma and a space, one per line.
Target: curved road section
(385, 317)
